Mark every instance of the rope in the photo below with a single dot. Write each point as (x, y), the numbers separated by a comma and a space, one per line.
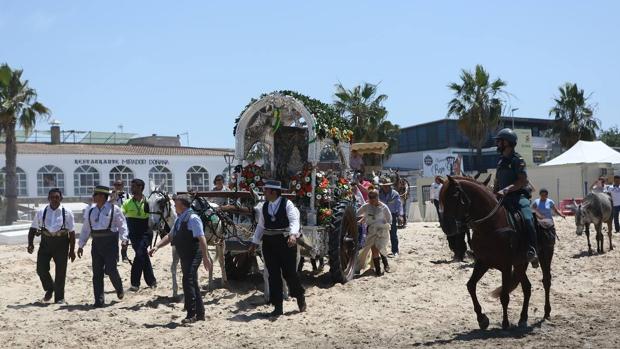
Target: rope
(491, 214)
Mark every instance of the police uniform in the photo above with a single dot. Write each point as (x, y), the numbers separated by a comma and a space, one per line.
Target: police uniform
(106, 224)
(54, 227)
(185, 233)
(277, 220)
(137, 215)
(508, 170)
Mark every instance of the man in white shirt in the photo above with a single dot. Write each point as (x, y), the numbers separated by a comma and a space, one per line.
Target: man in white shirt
(106, 223)
(614, 191)
(55, 224)
(378, 219)
(435, 190)
(278, 228)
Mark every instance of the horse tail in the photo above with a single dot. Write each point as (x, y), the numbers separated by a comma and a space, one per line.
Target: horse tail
(496, 293)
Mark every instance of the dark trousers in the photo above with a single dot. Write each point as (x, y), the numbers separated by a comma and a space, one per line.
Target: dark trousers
(104, 252)
(191, 289)
(394, 234)
(56, 248)
(281, 262)
(141, 262)
(616, 221)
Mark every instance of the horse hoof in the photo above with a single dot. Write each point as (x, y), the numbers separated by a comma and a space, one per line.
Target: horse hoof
(590, 252)
(547, 315)
(522, 323)
(483, 322)
(505, 325)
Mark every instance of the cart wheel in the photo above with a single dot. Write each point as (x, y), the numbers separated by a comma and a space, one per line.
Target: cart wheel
(238, 265)
(343, 242)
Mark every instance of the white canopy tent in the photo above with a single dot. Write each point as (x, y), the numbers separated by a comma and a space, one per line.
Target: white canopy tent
(588, 153)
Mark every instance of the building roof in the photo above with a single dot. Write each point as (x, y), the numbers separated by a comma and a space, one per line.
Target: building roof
(114, 149)
(72, 136)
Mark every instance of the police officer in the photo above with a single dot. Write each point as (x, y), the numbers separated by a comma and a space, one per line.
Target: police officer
(105, 222)
(55, 225)
(278, 228)
(511, 183)
(136, 211)
(188, 237)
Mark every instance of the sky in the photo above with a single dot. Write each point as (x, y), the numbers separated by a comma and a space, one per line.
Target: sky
(190, 67)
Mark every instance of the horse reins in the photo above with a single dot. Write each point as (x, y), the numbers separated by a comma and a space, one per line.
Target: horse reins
(166, 226)
(468, 219)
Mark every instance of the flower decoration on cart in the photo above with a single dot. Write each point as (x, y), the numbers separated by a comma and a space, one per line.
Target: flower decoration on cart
(326, 215)
(251, 177)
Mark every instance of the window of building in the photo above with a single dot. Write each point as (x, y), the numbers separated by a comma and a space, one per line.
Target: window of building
(161, 176)
(49, 177)
(197, 179)
(122, 173)
(85, 178)
(22, 185)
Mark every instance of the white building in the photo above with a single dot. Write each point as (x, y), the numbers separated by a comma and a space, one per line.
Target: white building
(77, 168)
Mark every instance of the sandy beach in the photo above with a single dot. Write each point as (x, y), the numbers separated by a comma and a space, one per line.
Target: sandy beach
(423, 302)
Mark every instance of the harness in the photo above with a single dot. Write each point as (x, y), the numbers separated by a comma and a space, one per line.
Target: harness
(61, 232)
(466, 201)
(101, 233)
(163, 228)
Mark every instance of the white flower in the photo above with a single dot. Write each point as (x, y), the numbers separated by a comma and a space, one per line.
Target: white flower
(319, 175)
(257, 178)
(307, 179)
(252, 185)
(294, 183)
(318, 197)
(309, 194)
(298, 186)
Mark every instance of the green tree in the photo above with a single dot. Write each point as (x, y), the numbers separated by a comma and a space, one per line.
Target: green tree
(18, 106)
(574, 116)
(477, 104)
(611, 137)
(363, 108)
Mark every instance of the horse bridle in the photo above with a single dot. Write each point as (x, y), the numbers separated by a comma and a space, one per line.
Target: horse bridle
(162, 208)
(464, 199)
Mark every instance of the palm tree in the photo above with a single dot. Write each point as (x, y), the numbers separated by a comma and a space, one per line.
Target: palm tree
(367, 116)
(18, 106)
(574, 117)
(477, 103)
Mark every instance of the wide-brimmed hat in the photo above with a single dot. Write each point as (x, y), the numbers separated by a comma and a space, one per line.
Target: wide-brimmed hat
(101, 189)
(385, 181)
(271, 184)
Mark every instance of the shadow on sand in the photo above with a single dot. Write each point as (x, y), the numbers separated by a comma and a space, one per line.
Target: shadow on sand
(477, 334)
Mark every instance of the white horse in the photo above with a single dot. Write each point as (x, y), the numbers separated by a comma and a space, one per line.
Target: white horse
(214, 233)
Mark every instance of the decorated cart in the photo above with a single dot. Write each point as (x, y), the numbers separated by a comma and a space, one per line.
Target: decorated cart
(304, 144)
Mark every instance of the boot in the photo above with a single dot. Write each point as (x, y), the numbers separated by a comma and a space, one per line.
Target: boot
(277, 311)
(377, 263)
(386, 266)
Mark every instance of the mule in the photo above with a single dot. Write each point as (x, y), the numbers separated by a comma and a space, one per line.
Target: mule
(495, 245)
(596, 209)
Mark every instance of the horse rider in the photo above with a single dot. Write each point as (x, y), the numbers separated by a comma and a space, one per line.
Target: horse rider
(511, 183)
(278, 228)
(106, 223)
(55, 224)
(188, 237)
(391, 198)
(136, 211)
(118, 197)
(378, 219)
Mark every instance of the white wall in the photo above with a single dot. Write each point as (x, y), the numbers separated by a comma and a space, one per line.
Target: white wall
(139, 164)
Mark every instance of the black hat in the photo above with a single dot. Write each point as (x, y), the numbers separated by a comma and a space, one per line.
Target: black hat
(101, 189)
(508, 135)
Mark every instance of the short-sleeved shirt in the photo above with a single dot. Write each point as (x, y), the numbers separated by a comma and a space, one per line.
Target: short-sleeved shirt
(544, 207)
(508, 170)
(53, 219)
(193, 223)
(133, 208)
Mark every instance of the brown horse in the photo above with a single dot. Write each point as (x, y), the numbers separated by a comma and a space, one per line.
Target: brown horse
(495, 244)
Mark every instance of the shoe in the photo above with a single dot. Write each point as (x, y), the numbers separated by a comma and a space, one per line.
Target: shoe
(396, 255)
(48, 296)
(377, 263)
(120, 294)
(98, 305)
(61, 302)
(301, 303)
(134, 288)
(200, 317)
(277, 311)
(188, 320)
(386, 265)
(153, 285)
